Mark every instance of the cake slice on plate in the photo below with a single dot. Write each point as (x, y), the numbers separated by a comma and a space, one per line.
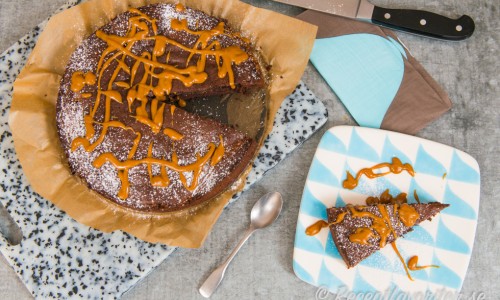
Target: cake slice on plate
(358, 231)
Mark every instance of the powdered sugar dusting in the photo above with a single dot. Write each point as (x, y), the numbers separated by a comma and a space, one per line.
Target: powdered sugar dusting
(82, 58)
(198, 133)
(196, 19)
(55, 244)
(353, 252)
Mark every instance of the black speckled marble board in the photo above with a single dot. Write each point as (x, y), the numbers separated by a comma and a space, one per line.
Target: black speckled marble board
(60, 258)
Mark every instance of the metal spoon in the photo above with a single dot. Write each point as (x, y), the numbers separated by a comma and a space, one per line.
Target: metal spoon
(264, 212)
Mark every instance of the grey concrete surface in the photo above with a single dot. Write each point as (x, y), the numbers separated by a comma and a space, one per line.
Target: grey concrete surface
(468, 71)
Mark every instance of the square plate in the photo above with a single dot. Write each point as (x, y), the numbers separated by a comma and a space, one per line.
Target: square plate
(442, 174)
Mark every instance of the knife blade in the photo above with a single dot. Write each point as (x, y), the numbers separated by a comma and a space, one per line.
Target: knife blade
(9, 228)
(413, 21)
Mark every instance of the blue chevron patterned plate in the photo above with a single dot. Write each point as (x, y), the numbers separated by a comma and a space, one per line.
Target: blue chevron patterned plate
(442, 174)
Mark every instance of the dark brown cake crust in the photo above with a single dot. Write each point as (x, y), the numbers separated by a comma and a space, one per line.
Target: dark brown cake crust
(353, 253)
(197, 132)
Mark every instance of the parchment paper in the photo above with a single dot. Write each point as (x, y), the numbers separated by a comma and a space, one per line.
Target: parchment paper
(32, 115)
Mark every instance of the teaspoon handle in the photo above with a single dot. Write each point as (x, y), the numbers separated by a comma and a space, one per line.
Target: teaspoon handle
(214, 280)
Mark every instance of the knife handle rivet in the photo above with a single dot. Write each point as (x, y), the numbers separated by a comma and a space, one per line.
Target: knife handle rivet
(387, 15)
(459, 28)
(423, 22)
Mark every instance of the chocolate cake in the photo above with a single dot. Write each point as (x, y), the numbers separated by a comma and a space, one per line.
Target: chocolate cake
(118, 111)
(359, 231)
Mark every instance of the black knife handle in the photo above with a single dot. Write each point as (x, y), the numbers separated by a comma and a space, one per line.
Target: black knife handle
(424, 23)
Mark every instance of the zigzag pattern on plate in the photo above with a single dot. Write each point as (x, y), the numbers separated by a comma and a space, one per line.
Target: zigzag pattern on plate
(443, 174)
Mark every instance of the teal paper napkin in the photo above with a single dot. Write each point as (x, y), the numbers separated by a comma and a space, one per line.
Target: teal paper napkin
(366, 77)
(374, 76)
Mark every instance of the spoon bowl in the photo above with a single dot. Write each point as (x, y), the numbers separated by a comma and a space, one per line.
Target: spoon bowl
(266, 210)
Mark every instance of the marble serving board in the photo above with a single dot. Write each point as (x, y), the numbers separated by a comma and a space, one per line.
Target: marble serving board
(60, 258)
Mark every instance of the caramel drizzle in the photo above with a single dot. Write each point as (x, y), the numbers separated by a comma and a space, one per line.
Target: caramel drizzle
(80, 79)
(387, 198)
(316, 227)
(362, 236)
(157, 80)
(416, 196)
(407, 215)
(179, 7)
(396, 167)
(412, 264)
(395, 248)
(382, 226)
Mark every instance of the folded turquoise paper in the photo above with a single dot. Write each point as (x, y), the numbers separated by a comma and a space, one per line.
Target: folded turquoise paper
(367, 76)
(374, 76)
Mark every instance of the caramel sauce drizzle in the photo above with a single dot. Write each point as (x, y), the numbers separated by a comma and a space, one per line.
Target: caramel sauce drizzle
(143, 28)
(412, 264)
(407, 215)
(174, 135)
(80, 79)
(361, 236)
(416, 196)
(218, 153)
(393, 244)
(179, 7)
(382, 226)
(387, 198)
(316, 227)
(396, 167)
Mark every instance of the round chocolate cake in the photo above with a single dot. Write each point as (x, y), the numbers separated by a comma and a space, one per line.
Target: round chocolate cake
(120, 113)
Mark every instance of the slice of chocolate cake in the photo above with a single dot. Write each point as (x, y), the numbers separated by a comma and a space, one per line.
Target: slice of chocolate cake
(359, 231)
(163, 51)
(116, 117)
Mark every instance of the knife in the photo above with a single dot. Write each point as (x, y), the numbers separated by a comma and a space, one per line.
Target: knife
(414, 21)
(8, 227)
